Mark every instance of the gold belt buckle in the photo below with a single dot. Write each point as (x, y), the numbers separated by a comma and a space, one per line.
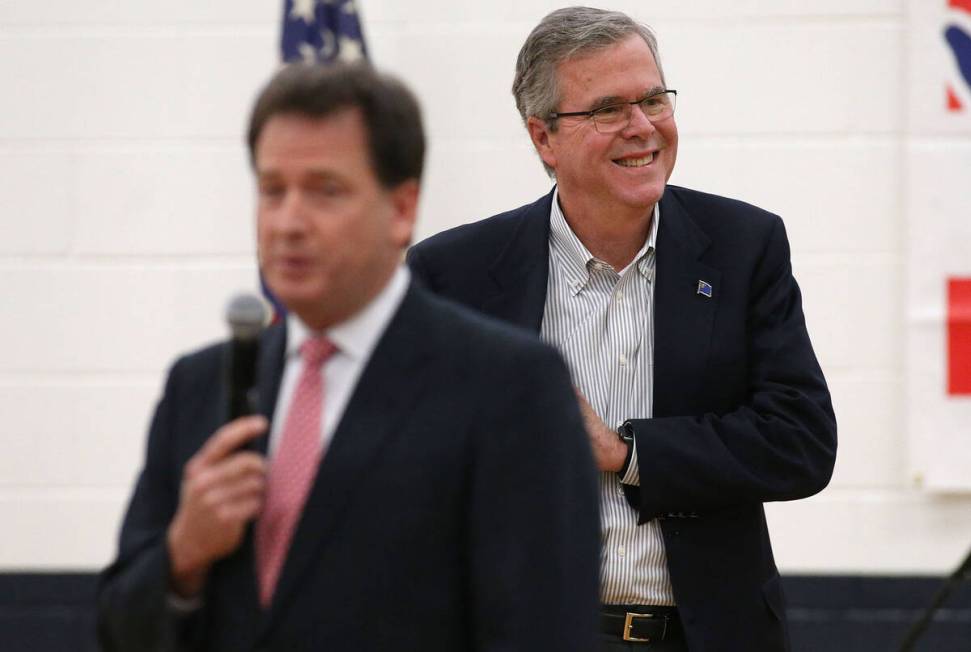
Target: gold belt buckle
(628, 624)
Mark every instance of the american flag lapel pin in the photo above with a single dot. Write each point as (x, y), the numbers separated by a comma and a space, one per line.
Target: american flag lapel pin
(704, 288)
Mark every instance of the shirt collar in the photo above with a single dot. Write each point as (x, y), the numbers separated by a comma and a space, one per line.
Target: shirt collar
(357, 336)
(645, 257)
(576, 258)
(568, 249)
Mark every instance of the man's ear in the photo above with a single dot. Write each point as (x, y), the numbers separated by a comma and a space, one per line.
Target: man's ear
(540, 134)
(404, 202)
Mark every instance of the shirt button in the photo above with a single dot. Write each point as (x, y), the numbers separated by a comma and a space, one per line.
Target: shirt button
(621, 551)
(619, 295)
(623, 360)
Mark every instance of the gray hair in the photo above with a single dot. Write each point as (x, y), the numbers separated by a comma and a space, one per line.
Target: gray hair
(561, 35)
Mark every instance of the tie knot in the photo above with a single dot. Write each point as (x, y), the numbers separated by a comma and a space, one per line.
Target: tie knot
(316, 350)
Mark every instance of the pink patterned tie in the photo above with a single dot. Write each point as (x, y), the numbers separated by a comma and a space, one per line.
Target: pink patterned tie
(292, 468)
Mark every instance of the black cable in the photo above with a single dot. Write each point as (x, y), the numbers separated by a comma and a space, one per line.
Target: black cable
(961, 574)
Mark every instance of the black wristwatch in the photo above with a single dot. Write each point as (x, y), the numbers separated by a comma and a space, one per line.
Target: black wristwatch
(626, 434)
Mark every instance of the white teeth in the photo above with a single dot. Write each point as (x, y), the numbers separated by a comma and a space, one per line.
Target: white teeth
(636, 162)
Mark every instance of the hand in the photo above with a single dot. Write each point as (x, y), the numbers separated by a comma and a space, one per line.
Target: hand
(222, 490)
(609, 452)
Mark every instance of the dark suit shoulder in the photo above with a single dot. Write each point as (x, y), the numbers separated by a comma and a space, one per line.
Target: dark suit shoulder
(192, 376)
(717, 212)
(479, 244)
(193, 373)
(481, 335)
(204, 357)
(497, 227)
(731, 233)
(466, 263)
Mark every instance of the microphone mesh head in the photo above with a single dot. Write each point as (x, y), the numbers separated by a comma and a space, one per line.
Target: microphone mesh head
(246, 316)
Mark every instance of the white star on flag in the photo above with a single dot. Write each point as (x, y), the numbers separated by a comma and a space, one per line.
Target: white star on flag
(350, 50)
(308, 52)
(304, 9)
(321, 31)
(328, 44)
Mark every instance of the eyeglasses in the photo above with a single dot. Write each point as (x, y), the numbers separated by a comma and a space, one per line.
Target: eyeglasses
(614, 117)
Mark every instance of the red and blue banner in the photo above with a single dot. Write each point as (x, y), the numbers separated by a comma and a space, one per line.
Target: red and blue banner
(936, 193)
(959, 337)
(958, 37)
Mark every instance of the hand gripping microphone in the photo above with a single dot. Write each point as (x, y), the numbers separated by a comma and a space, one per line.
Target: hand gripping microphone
(245, 315)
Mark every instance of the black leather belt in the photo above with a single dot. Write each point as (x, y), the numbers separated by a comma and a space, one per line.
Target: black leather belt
(639, 624)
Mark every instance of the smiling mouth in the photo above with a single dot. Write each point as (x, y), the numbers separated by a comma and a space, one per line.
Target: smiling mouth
(292, 264)
(636, 162)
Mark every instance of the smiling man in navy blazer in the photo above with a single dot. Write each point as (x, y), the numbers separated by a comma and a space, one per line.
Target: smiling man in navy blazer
(679, 317)
(396, 503)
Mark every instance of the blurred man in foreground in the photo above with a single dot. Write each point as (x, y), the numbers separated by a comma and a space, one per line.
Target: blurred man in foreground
(387, 496)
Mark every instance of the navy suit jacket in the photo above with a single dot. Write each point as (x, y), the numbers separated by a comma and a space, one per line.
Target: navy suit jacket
(742, 414)
(430, 526)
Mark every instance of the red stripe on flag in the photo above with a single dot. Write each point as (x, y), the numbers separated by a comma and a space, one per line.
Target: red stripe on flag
(959, 336)
(960, 4)
(953, 101)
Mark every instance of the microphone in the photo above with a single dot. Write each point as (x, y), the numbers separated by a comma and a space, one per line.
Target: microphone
(245, 316)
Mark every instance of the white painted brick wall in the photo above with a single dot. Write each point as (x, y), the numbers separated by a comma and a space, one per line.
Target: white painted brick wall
(126, 220)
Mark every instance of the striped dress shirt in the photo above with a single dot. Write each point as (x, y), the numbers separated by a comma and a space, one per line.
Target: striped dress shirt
(602, 322)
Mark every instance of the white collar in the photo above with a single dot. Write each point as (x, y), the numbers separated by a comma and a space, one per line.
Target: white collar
(358, 335)
(578, 258)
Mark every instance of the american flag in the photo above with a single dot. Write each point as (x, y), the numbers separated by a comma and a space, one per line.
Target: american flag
(321, 30)
(317, 30)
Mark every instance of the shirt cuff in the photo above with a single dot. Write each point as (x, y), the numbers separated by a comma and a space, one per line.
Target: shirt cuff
(631, 475)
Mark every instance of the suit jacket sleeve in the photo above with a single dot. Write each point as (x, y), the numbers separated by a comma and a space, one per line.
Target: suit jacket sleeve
(770, 432)
(133, 613)
(534, 520)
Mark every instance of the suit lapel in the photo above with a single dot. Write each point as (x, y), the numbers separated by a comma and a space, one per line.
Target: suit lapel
(521, 270)
(269, 373)
(683, 317)
(683, 314)
(386, 392)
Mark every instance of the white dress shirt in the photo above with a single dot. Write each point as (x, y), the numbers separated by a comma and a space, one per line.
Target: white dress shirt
(602, 322)
(355, 340)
